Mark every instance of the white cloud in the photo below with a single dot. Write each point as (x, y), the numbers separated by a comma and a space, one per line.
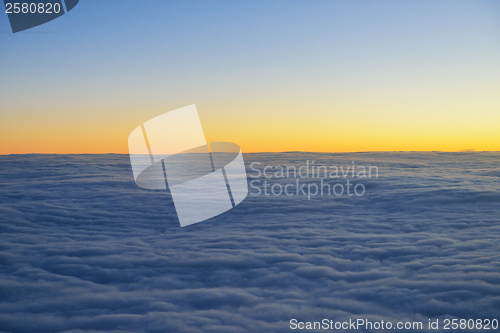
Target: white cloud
(82, 249)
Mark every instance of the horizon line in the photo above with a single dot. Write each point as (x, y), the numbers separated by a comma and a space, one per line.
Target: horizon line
(289, 151)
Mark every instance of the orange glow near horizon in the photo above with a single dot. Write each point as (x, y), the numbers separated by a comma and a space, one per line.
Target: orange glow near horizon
(342, 127)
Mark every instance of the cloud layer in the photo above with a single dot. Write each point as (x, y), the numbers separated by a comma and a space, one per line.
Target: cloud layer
(83, 249)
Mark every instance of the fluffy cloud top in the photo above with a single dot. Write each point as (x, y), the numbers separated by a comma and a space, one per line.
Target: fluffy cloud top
(83, 249)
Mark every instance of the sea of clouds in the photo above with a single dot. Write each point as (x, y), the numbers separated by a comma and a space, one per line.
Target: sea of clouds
(83, 249)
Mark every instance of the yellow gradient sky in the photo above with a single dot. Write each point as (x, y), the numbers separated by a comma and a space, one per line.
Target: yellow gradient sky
(277, 76)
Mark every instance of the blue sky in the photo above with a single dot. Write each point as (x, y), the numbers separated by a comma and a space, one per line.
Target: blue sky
(387, 63)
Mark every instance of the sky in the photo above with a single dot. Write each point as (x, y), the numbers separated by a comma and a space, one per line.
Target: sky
(322, 76)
